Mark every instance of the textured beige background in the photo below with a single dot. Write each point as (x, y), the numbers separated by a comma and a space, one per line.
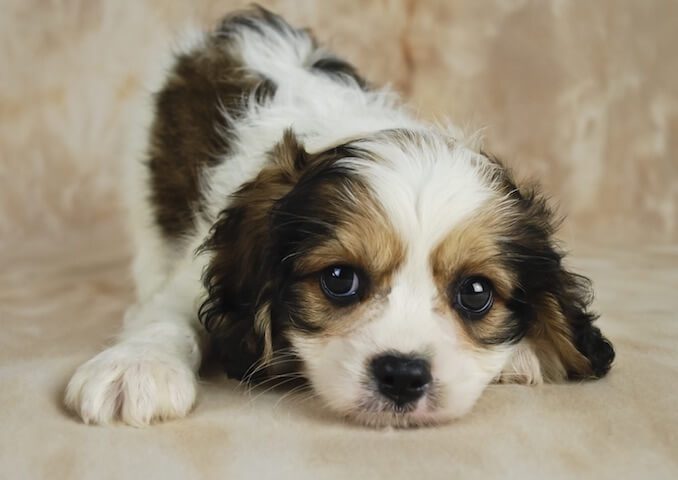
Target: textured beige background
(582, 95)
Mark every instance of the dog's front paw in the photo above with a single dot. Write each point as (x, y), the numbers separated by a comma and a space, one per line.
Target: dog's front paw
(135, 386)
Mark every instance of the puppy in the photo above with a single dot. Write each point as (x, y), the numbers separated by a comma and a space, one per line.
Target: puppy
(297, 218)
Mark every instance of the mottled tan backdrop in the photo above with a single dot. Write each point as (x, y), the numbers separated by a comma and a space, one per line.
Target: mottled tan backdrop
(582, 95)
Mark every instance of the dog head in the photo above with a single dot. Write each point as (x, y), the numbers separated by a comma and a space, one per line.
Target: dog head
(404, 271)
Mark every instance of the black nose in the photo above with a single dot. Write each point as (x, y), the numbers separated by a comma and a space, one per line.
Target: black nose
(403, 379)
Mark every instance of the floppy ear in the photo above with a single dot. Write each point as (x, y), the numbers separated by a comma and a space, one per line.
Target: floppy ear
(237, 307)
(566, 342)
(554, 301)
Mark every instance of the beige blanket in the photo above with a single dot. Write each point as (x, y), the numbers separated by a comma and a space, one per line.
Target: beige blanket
(582, 95)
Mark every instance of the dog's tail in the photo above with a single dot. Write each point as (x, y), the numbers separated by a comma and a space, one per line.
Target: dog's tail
(277, 51)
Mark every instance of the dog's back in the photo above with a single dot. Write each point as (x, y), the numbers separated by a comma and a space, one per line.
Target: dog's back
(225, 103)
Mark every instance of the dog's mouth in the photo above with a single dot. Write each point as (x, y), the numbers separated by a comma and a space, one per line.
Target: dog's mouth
(376, 410)
(373, 409)
(397, 416)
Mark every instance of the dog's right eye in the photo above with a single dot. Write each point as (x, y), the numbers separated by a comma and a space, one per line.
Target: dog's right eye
(341, 284)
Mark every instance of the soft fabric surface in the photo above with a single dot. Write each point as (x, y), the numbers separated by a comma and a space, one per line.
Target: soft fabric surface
(582, 95)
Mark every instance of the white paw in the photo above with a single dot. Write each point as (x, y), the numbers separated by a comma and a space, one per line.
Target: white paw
(523, 366)
(132, 385)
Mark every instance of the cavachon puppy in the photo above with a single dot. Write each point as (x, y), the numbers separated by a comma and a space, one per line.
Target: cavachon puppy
(295, 218)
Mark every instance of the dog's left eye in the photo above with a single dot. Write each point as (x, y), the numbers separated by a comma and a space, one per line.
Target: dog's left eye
(474, 297)
(341, 284)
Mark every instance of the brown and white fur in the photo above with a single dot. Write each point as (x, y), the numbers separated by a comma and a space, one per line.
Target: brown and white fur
(269, 163)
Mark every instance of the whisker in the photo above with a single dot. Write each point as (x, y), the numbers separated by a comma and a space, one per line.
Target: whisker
(273, 379)
(262, 365)
(296, 390)
(280, 357)
(310, 394)
(254, 399)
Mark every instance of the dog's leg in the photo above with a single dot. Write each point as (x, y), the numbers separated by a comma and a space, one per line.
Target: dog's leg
(150, 373)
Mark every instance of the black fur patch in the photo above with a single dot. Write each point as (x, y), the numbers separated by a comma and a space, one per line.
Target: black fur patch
(255, 18)
(336, 67)
(594, 346)
(190, 132)
(530, 250)
(269, 220)
(297, 225)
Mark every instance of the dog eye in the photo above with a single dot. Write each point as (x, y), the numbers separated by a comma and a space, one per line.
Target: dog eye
(474, 297)
(341, 284)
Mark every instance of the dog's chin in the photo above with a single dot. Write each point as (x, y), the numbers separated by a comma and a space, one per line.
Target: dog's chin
(397, 418)
(377, 413)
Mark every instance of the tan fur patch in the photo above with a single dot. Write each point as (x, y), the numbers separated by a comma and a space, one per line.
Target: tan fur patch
(468, 250)
(364, 240)
(552, 340)
(332, 320)
(471, 249)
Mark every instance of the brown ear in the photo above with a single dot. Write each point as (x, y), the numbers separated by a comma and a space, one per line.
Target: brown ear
(553, 302)
(236, 310)
(566, 342)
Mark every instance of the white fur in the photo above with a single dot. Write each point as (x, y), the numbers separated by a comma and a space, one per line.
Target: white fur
(523, 366)
(150, 374)
(321, 111)
(426, 188)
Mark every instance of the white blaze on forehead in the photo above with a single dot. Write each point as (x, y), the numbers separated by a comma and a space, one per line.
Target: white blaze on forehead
(425, 187)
